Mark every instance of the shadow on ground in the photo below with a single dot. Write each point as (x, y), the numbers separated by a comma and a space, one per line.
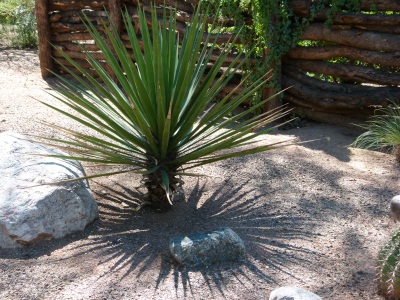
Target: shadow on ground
(133, 242)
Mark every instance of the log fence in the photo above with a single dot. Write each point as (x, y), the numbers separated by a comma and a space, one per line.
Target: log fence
(360, 53)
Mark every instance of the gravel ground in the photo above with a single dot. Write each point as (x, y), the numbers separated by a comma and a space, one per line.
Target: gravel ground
(312, 215)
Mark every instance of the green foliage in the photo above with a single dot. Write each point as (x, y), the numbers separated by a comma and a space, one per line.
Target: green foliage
(8, 10)
(158, 117)
(383, 130)
(18, 23)
(388, 268)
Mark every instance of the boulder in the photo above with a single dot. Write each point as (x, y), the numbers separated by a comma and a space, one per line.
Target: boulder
(395, 207)
(30, 214)
(200, 249)
(292, 293)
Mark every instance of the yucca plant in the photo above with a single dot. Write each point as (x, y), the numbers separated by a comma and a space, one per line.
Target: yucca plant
(383, 131)
(156, 115)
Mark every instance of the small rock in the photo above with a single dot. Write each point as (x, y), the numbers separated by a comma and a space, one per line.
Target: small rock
(395, 207)
(201, 249)
(292, 293)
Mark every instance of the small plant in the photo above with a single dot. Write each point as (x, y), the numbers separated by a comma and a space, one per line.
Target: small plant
(388, 269)
(18, 24)
(25, 27)
(157, 117)
(383, 131)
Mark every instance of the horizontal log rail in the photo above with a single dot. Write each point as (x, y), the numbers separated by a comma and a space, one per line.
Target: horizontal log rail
(346, 71)
(353, 37)
(328, 52)
(67, 5)
(333, 95)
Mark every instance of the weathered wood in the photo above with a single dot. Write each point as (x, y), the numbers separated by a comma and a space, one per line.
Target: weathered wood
(77, 46)
(79, 55)
(65, 5)
(361, 19)
(354, 37)
(44, 38)
(59, 27)
(378, 28)
(381, 5)
(346, 71)
(328, 52)
(335, 96)
(180, 5)
(300, 8)
(82, 63)
(114, 9)
(66, 37)
(342, 118)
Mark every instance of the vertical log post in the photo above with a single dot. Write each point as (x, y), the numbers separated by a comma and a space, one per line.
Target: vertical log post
(43, 28)
(114, 9)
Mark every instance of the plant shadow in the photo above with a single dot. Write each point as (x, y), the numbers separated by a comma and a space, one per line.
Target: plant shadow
(133, 243)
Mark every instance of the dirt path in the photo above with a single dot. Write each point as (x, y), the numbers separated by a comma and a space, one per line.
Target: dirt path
(313, 216)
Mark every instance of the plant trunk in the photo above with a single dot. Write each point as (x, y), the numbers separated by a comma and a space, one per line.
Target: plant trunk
(397, 153)
(156, 194)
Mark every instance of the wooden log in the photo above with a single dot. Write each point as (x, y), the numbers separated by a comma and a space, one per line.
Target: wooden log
(82, 63)
(361, 19)
(76, 46)
(353, 37)
(378, 28)
(44, 38)
(328, 52)
(180, 5)
(68, 37)
(66, 5)
(301, 8)
(335, 96)
(342, 118)
(79, 55)
(54, 17)
(59, 27)
(346, 71)
(381, 5)
(114, 9)
(91, 72)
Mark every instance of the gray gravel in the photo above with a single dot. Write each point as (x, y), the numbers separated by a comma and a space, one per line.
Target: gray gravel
(312, 215)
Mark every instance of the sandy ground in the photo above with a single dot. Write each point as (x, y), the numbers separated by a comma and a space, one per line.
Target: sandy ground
(313, 216)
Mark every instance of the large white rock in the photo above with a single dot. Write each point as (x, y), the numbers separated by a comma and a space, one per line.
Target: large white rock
(292, 293)
(29, 215)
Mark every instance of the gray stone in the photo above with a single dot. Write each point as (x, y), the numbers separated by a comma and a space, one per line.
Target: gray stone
(200, 249)
(30, 214)
(395, 207)
(292, 293)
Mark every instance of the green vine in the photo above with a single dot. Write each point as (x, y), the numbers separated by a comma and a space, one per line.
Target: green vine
(270, 28)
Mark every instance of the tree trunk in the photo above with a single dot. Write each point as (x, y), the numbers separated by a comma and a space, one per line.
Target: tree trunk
(346, 71)
(328, 52)
(156, 194)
